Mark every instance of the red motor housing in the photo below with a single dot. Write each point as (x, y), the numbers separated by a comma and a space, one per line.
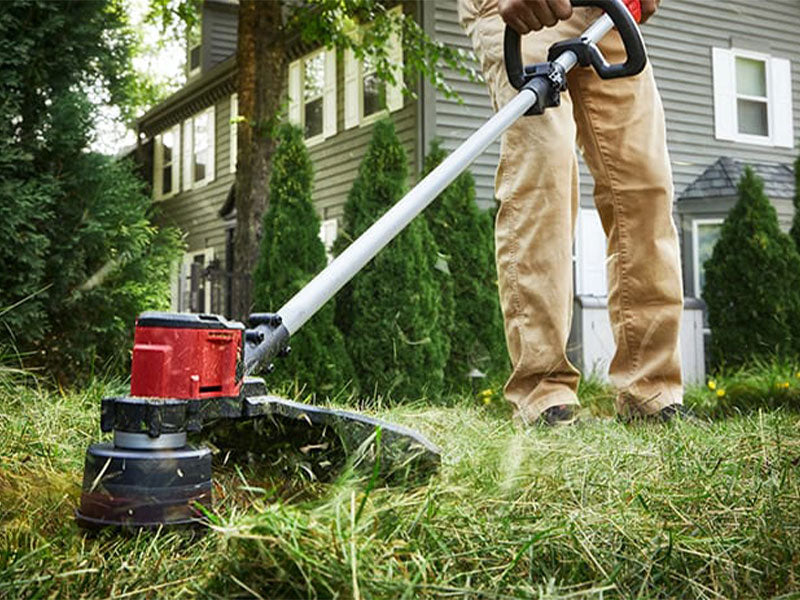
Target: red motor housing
(187, 356)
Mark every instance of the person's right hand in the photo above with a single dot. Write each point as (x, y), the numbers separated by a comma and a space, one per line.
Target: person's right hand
(532, 15)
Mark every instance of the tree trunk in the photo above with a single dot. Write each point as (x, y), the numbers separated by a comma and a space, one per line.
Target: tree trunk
(262, 70)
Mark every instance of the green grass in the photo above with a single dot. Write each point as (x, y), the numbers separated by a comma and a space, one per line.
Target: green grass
(600, 510)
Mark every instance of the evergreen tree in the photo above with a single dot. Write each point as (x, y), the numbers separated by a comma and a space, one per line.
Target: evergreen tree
(465, 236)
(795, 230)
(291, 254)
(393, 315)
(81, 257)
(752, 287)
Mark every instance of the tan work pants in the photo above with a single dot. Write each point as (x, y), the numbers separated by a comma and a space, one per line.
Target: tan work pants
(619, 127)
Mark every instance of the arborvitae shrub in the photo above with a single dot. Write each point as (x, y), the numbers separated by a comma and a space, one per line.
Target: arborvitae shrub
(752, 287)
(464, 236)
(291, 253)
(795, 230)
(393, 316)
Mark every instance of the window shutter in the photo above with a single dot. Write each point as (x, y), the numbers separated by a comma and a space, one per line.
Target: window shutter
(295, 92)
(351, 89)
(158, 164)
(780, 72)
(234, 136)
(188, 148)
(212, 138)
(591, 246)
(329, 98)
(394, 93)
(176, 154)
(724, 94)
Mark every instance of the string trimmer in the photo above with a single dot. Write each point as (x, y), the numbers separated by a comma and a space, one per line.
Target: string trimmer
(190, 370)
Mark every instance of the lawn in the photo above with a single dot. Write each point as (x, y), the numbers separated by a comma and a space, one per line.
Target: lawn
(599, 510)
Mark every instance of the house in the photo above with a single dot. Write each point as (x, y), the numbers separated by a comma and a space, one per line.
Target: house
(724, 70)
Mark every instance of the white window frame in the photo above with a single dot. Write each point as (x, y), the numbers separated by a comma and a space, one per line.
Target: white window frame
(354, 84)
(158, 164)
(233, 150)
(779, 98)
(297, 97)
(328, 230)
(181, 274)
(189, 150)
(695, 249)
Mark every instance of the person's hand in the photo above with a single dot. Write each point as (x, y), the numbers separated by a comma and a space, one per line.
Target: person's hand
(525, 16)
(649, 8)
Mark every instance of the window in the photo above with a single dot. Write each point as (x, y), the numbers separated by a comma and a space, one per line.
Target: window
(191, 286)
(198, 149)
(752, 104)
(327, 233)
(234, 137)
(752, 98)
(367, 98)
(193, 43)
(312, 95)
(165, 163)
(373, 90)
(705, 233)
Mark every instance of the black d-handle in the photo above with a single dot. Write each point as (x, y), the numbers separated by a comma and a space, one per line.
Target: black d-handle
(589, 54)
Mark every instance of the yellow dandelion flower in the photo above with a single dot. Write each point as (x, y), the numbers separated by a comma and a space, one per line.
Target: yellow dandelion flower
(720, 393)
(487, 399)
(797, 374)
(785, 385)
(712, 385)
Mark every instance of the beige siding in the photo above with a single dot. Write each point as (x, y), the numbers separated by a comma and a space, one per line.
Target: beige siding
(679, 41)
(196, 212)
(454, 121)
(336, 159)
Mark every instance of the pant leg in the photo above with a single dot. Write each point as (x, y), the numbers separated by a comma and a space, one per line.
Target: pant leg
(622, 134)
(537, 185)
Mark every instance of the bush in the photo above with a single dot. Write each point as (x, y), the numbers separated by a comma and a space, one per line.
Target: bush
(464, 235)
(393, 319)
(80, 255)
(795, 230)
(291, 254)
(752, 285)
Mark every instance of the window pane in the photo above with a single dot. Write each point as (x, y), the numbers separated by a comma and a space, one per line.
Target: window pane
(753, 117)
(751, 77)
(374, 94)
(313, 77)
(167, 143)
(166, 179)
(200, 141)
(313, 118)
(707, 236)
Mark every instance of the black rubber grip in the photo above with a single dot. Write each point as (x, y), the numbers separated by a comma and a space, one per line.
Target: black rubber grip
(628, 29)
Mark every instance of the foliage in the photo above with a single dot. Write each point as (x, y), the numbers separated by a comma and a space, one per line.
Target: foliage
(80, 256)
(464, 235)
(291, 254)
(794, 232)
(752, 287)
(391, 315)
(600, 510)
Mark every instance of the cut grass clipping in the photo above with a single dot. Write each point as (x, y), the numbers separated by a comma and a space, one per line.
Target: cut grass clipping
(597, 510)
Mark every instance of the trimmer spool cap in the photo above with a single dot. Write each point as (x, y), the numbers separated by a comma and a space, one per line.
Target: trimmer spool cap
(144, 488)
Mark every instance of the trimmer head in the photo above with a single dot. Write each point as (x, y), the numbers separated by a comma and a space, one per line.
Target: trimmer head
(188, 372)
(144, 488)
